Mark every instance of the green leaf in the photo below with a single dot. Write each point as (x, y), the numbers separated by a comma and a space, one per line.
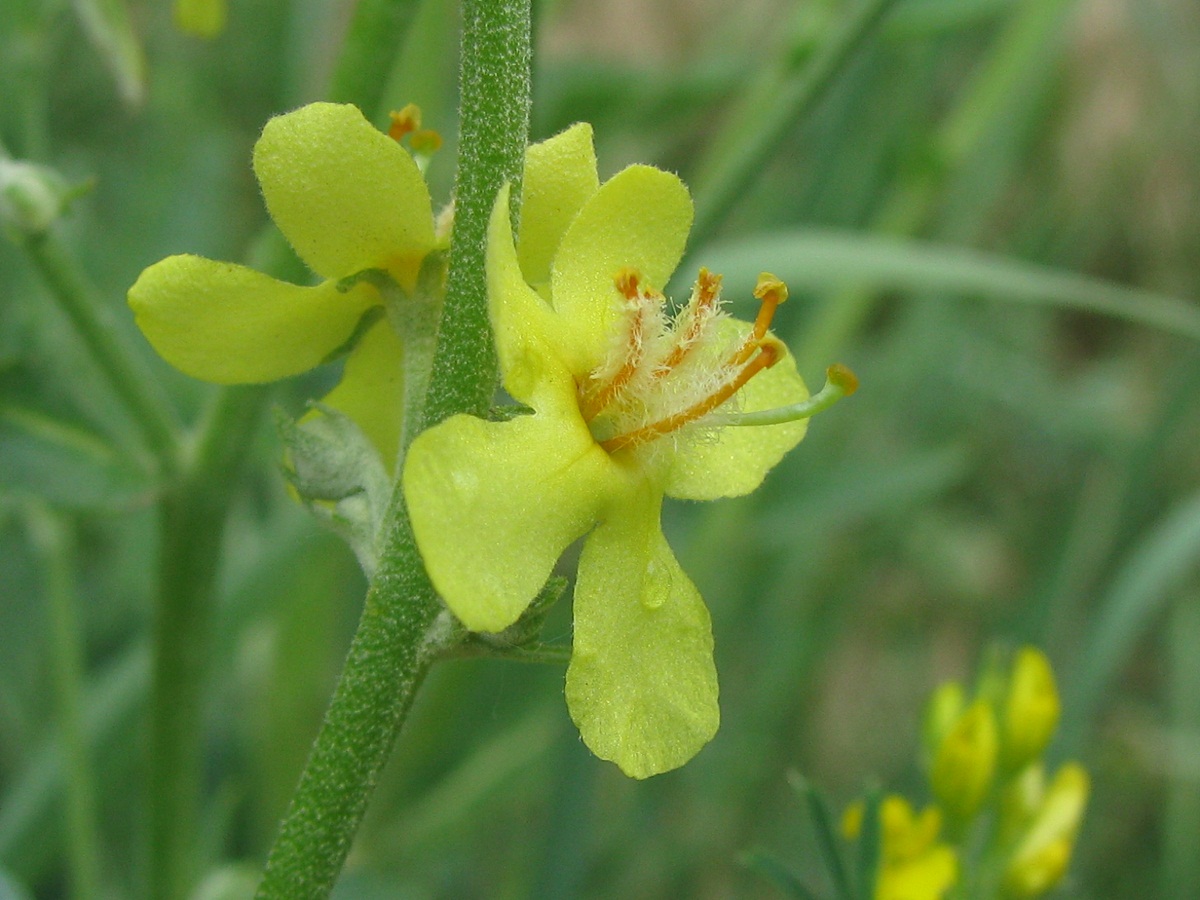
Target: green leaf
(820, 260)
(10, 889)
(64, 464)
(827, 841)
(777, 873)
(869, 845)
(1154, 571)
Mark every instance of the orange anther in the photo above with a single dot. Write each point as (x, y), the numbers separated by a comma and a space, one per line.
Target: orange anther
(769, 354)
(404, 122)
(426, 141)
(592, 404)
(627, 281)
(771, 291)
(704, 299)
(841, 377)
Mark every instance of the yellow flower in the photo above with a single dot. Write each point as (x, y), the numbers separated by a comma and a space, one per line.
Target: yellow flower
(1031, 709)
(913, 865)
(348, 199)
(1040, 859)
(964, 763)
(628, 403)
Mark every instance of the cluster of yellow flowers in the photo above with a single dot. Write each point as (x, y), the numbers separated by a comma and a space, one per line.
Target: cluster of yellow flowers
(998, 826)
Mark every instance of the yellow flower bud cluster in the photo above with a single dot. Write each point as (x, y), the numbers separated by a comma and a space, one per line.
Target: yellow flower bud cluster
(999, 827)
(984, 755)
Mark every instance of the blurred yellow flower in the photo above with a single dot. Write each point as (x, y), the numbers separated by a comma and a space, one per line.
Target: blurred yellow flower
(1031, 709)
(913, 864)
(964, 763)
(1043, 852)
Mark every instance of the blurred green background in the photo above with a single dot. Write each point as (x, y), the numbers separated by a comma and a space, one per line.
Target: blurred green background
(974, 184)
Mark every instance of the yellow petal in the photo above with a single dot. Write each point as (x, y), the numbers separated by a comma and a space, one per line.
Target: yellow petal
(494, 504)
(928, 877)
(232, 325)
(526, 330)
(344, 194)
(560, 176)
(734, 460)
(638, 219)
(371, 391)
(641, 686)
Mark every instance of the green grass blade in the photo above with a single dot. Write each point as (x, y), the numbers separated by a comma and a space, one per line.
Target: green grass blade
(1148, 579)
(818, 260)
(827, 840)
(770, 868)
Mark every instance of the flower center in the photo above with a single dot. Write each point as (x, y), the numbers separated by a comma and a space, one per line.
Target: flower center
(664, 372)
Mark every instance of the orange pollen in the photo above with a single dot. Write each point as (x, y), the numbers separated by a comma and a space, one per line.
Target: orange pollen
(594, 404)
(768, 355)
(708, 288)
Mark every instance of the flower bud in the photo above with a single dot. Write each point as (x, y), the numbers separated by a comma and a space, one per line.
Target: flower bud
(944, 708)
(1042, 854)
(913, 863)
(31, 196)
(965, 762)
(1031, 709)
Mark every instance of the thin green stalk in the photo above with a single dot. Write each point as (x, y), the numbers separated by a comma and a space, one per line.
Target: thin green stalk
(53, 543)
(721, 182)
(375, 36)
(193, 512)
(494, 130)
(127, 377)
(404, 627)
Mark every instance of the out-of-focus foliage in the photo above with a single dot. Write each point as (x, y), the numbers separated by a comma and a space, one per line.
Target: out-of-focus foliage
(1006, 471)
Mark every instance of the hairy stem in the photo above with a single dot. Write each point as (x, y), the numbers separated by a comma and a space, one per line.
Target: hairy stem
(495, 90)
(404, 627)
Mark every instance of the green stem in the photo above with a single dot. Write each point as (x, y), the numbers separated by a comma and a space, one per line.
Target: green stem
(495, 90)
(117, 361)
(193, 512)
(721, 182)
(398, 637)
(53, 543)
(404, 627)
(376, 35)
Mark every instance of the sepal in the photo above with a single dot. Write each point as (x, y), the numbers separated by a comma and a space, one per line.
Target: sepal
(33, 197)
(524, 635)
(338, 475)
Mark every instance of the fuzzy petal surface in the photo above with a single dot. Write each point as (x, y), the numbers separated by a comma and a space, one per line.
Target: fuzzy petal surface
(527, 331)
(344, 194)
(638, 219)
(494, 504)
(733, 460)
(560, 176)
(641, 686)
(371, 391)
(232, 325)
